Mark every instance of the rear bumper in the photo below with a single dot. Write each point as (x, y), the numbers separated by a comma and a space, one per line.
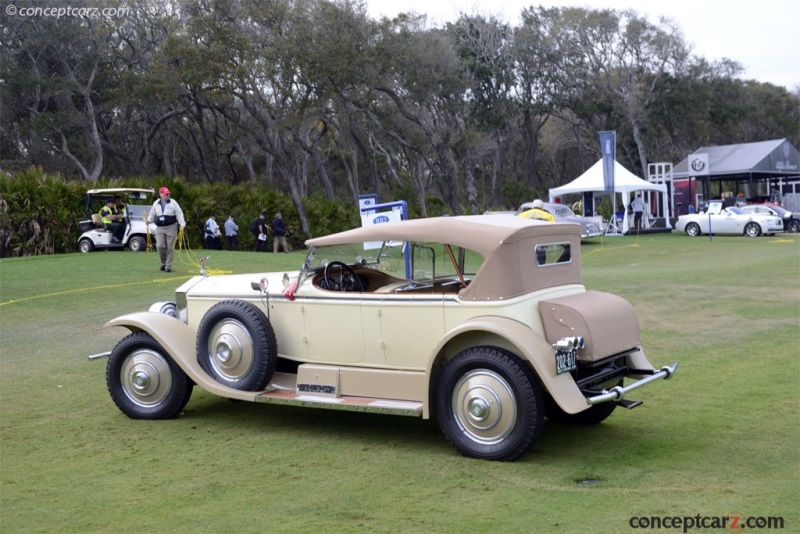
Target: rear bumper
(618, 392)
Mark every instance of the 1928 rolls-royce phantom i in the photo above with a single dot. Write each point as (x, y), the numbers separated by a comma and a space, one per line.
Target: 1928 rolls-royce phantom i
(479, 321)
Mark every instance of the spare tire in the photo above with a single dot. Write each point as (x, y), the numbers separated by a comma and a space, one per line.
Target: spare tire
(236, 345)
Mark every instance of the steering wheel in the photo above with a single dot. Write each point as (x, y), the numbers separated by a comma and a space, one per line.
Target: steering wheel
(347, 281)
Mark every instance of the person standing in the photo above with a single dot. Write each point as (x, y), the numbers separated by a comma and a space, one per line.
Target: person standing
(212, 233)
(638, 208)
(263, 231)
(112, 221)
(279, 234)
(167, 216)
(231, 233)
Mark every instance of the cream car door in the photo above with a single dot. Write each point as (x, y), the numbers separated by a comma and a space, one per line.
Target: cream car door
(333, 330)
(410, 327)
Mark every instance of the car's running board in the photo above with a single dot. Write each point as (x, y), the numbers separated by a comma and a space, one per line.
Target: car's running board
(356, 404)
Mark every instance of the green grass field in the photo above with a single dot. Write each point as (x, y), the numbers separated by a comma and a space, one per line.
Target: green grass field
(720, 438)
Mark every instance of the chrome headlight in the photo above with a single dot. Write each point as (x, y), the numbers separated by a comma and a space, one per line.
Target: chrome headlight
(167, 308)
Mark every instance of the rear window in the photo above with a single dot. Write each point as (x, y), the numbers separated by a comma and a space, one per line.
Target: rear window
(553, 254)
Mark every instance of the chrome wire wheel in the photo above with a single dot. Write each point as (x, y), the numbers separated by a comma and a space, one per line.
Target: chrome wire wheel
(484, 406)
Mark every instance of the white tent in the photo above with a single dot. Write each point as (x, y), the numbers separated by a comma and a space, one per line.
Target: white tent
(625, 183)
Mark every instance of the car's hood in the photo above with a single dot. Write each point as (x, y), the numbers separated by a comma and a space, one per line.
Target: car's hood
(235, 285)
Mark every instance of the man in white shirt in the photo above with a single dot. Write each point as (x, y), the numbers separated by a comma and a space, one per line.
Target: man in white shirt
(231, 233)
(638, 208)
(212, 233)
(167, 216)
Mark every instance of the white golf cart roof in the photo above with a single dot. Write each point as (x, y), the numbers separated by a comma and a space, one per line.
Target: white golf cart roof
(114, 190)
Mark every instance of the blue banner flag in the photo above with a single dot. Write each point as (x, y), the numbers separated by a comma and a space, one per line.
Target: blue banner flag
(608, 150)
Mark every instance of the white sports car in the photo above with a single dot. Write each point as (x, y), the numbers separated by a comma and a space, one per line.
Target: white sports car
(731, 221)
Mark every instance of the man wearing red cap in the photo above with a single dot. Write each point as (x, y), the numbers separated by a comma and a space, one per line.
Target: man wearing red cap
(167, 215)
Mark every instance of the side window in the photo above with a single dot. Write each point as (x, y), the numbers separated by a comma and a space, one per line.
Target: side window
(553, 254)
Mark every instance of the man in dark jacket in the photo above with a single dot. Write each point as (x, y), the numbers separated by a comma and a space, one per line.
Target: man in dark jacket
(263, 231)
(279, 234)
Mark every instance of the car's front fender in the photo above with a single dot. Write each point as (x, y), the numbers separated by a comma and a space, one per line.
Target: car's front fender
(522, 341)
(179, 341)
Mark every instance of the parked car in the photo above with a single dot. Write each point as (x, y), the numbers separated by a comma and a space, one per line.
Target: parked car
(791, 221)
(562, 213)
(479, 321)
(730, 220)
(137, 205)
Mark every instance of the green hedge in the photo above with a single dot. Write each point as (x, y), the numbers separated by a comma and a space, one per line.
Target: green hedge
(39, 213)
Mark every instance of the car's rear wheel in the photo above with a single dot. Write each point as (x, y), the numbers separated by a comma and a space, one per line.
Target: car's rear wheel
(752, 230)
(693, 229)
(137, 244)
(144, 381)
(793, 226)
(489, 404)
(85, 245)
(594, 415)
(236, 345)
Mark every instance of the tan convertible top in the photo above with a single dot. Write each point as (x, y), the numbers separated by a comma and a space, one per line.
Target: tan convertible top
(507, 244)
(481, 233)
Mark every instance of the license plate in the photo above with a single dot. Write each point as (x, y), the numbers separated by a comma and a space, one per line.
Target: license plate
(566, 361)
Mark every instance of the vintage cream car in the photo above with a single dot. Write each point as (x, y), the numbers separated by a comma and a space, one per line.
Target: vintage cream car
(479, 321)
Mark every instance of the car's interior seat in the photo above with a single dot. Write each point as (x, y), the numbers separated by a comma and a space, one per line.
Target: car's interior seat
(98, 222)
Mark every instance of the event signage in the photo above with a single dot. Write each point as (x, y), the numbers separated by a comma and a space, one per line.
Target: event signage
(698, 163)
(608, 149)
(367, 203)
(373, 212)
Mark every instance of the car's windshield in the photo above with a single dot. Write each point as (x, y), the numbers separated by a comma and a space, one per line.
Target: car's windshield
(417, 261)
(563, 212)
(737, 211)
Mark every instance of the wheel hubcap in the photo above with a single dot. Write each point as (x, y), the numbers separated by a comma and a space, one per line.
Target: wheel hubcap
(484, 406)
(479, 408)
(146, 378)
(141, 380)
(230, 349)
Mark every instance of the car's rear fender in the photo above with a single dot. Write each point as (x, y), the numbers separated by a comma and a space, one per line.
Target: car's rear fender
(517, 338)
(179, 341)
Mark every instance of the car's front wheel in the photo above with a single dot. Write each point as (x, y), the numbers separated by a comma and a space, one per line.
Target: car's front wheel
(793, 226)
(692, 229)
(752, 230)
(236, 345)
(489, 404)
(144, 381)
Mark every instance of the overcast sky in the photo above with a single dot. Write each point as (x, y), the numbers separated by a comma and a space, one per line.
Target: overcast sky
(763, 36)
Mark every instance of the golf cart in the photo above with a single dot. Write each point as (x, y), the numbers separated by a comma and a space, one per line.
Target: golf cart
(137, 206)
